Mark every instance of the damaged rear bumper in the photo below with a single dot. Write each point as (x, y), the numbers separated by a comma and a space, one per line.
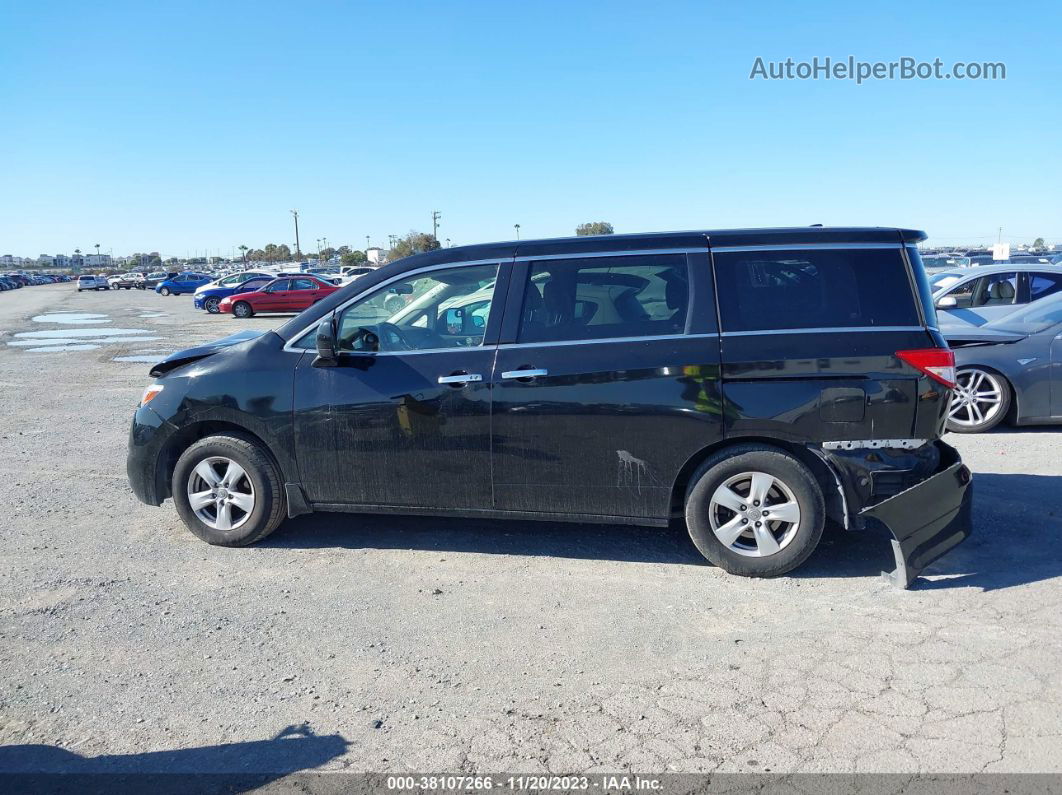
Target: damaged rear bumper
(928, 519)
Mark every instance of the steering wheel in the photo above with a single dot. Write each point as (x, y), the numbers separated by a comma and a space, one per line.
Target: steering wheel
(394, 336)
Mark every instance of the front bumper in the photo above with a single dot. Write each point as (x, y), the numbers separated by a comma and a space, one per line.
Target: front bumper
(928, 519)
(197, 301)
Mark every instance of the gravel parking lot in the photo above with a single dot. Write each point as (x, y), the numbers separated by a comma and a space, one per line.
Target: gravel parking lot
(420, 644)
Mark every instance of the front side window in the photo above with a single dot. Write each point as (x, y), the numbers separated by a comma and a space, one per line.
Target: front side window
(605, 297)
(997, 289)
(278, 286)
(800, 288)
(446, 308)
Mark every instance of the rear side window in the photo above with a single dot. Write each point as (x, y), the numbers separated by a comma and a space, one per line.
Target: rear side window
(605, 297)
(303, 284)
(801, 288)
(1042, 285)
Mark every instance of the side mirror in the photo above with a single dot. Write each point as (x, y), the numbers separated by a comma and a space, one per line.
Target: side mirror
(327, 344)
(947, 302)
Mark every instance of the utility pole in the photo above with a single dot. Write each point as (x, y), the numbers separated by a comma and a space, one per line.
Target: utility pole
(298, 252)
(517, 228)
(1000, 238)
(368, 245)
(435, 216)
(448, 245)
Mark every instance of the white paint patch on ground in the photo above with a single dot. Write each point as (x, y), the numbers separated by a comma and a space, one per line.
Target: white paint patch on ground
(142, 357)
(71, 317)
(62, 348)
(77, 333)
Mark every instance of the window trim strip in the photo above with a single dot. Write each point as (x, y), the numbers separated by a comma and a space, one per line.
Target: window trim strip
(802, 247)
(820, 330)
(597, 254)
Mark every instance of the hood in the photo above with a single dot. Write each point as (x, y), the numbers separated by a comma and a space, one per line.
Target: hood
(189, 355)
(959, 337)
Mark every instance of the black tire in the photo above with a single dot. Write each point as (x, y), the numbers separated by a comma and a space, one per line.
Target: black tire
(164, 291)
(269, 504)
(242, 309)
(732, 463)
(211, 305)
(961, 418)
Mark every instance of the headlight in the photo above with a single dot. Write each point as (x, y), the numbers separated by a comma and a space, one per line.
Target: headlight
(150, 393)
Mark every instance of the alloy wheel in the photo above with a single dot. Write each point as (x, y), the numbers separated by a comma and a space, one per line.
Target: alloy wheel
(754, 514)
(221, 493)
(211, 305)
(978, 398)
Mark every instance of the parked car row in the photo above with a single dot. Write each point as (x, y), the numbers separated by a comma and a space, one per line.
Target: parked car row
(13, 281)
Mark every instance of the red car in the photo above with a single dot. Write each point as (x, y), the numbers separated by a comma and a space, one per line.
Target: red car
(286, 294)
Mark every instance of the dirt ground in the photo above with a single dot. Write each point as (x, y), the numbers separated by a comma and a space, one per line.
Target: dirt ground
(420, 644)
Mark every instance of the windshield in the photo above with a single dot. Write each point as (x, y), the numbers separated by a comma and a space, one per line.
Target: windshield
(939, 281)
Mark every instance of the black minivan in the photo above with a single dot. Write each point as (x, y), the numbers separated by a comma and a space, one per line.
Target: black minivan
(753, 383)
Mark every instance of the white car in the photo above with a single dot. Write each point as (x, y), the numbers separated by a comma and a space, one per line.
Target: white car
(90, 282)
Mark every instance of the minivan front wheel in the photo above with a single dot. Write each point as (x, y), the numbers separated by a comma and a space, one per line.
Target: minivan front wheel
(755, 511)
(227, 490)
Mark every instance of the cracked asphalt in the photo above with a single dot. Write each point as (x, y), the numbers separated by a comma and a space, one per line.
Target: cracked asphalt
(479, 646)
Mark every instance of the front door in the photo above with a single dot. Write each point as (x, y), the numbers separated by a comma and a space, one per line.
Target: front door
(274, 297)
(404, 420)
(607, 386)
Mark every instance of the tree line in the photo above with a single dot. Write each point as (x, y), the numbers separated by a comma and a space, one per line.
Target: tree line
(413, 242)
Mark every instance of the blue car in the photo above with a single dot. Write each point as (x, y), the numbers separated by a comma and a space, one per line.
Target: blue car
(210, 297)
(181, 283)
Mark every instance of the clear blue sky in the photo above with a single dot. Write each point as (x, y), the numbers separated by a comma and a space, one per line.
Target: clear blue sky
(193, 126)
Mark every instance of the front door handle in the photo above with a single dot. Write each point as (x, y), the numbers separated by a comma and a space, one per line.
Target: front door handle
(528, 373)
(460, 378)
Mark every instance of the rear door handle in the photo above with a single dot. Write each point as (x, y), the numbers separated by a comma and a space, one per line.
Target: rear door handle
(524, 373)
(460, 378)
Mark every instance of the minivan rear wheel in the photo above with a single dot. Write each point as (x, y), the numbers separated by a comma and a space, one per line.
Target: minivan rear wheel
(228, 491)
(754, 511)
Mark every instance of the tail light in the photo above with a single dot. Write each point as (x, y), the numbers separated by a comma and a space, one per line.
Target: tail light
(937, 363)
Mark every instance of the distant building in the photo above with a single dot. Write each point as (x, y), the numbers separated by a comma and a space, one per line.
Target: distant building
(9, 261)
(97, 261)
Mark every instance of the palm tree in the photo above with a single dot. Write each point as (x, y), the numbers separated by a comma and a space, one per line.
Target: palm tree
(243, 252)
